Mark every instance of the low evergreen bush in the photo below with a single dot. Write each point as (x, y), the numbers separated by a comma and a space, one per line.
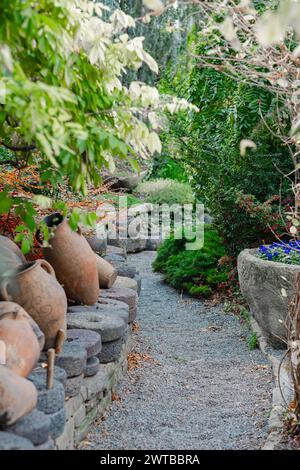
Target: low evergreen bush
(198, 272)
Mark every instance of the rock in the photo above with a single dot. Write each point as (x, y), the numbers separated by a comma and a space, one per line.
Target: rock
(122, 267)
(48, 400)
(268, 288)
(57, 423)
(112, 351)
(92, 367)
(18, 396)
(128, 181)
(134, 245)
(115, 250)
(126, 270)
(48, 445)
(139, 209)
(59, 374)
(72, 358)
(110, 327)
(71, 406)
(93, 387)
(153, 244)
(123, 294)
(126, 282)
(80, 415)
(138, 280)
(84, 426)
(66, 439)
(98, 244)
(114, 258)
(34, 426)
(125, 243)
(9, 441)
(74, 385)
(90, 340)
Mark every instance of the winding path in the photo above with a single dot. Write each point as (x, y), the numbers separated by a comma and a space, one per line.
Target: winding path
(203, 389)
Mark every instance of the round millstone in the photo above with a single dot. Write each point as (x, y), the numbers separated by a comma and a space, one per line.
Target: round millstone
(88, 339)
(128, 282)
(34, 426)
(123, 294)
(74, 385)
(9, 441)
(72, 358)
(48, 445)
(123, 268)
(59, 374)
(110, 327)
(126, 270)
(112, 350)
(92, 366)
(57, 423)
(49, 400)
(109, 306)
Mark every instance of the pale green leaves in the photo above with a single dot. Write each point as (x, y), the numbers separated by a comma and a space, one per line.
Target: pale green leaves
(246, 144)
(154, 5)
(154, 143)
(274, 25)
(6, 58)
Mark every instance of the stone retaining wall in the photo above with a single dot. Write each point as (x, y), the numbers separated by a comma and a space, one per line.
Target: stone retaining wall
(92, 401)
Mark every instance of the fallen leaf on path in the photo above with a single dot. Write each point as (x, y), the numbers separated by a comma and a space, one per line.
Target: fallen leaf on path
(135, 327)
(115, 397)
(135, 360)
(210, 328)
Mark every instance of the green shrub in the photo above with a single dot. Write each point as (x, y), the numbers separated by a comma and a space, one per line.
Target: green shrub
(235, 189)
(196, 272)
(166, 191)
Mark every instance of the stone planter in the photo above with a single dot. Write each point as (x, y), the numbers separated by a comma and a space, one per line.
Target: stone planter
(268, 287)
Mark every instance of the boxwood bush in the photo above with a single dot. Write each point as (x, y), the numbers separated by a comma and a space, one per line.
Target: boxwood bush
(198, 272)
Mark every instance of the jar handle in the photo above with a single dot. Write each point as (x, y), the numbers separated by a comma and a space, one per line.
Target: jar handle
(47, 266)
(38, 237)
(4, 292)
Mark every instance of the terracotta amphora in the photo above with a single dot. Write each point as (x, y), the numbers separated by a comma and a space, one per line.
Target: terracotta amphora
(22, 348)
(73, 260)
(7, 244)
(35, 287)
(106, 272)
(18, 397)
(10, 256)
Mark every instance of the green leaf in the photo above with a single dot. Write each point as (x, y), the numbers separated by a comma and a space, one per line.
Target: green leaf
(25, 246)
(5, 202)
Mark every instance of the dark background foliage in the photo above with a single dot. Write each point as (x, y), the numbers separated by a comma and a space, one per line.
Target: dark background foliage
(242, 193)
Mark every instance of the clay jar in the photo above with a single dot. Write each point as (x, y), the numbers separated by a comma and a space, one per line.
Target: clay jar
(22, 347)
(106, 272)
(18, 396)
(10, 255)
(35, 287)
(73, 260)
(7, 244)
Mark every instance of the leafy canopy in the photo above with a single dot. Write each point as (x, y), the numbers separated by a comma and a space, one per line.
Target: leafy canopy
(63, 102)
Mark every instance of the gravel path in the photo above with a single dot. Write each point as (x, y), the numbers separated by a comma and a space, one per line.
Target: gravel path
(203, 389)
